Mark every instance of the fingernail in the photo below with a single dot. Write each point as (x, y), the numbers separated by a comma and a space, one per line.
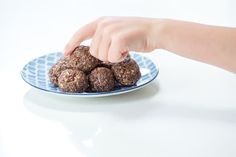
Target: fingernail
(124, 53)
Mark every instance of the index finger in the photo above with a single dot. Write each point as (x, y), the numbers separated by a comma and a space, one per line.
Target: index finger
(82, 34)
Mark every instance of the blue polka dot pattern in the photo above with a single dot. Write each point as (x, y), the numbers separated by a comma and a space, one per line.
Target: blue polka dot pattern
(35, 73)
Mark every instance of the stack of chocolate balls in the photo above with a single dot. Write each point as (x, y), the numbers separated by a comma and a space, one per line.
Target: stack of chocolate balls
(81, 72)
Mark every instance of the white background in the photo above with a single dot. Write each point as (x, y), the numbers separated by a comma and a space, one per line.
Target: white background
(188, 111)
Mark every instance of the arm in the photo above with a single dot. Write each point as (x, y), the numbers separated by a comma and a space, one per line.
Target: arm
(112, 36)
(210, 44)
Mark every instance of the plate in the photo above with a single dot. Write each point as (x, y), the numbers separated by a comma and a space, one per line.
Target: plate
(35, 73)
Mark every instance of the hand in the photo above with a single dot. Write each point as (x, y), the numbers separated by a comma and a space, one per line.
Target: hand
(114, 37)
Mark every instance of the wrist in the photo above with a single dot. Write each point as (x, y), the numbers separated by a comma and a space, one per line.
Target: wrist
(159, 33)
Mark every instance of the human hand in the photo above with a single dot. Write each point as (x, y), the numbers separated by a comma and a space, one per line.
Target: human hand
(114, 37)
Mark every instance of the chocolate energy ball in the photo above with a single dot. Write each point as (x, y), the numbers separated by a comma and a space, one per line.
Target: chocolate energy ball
(127, 73)
(101, 79)
(81, 59)
(56, 70)
(72, 80)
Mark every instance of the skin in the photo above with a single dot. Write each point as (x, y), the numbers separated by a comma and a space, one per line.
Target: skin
(113, 37)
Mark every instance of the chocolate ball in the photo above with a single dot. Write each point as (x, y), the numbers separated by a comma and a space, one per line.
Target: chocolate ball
(127, 73)
(72, 80)
(56, 69)
(101, 79)
(81, 59)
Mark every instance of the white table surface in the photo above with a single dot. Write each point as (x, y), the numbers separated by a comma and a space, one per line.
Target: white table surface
(188, 111)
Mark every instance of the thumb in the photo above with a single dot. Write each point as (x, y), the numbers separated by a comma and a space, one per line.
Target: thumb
(82, 34)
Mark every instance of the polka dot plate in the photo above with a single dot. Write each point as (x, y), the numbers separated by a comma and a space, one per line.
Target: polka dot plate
(35, 73)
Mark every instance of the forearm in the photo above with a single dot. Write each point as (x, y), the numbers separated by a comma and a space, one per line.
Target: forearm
(209, 44)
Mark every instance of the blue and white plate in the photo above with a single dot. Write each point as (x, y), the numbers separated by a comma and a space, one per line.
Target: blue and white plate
(35, 73)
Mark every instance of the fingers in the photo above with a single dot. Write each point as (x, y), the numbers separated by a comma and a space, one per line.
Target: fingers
(105, 39)
(82, 34)
(111, 38)
(117, 51)
(101, 40)
(103, 48)
(94, 44)
(94, 47)
(105, 42)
